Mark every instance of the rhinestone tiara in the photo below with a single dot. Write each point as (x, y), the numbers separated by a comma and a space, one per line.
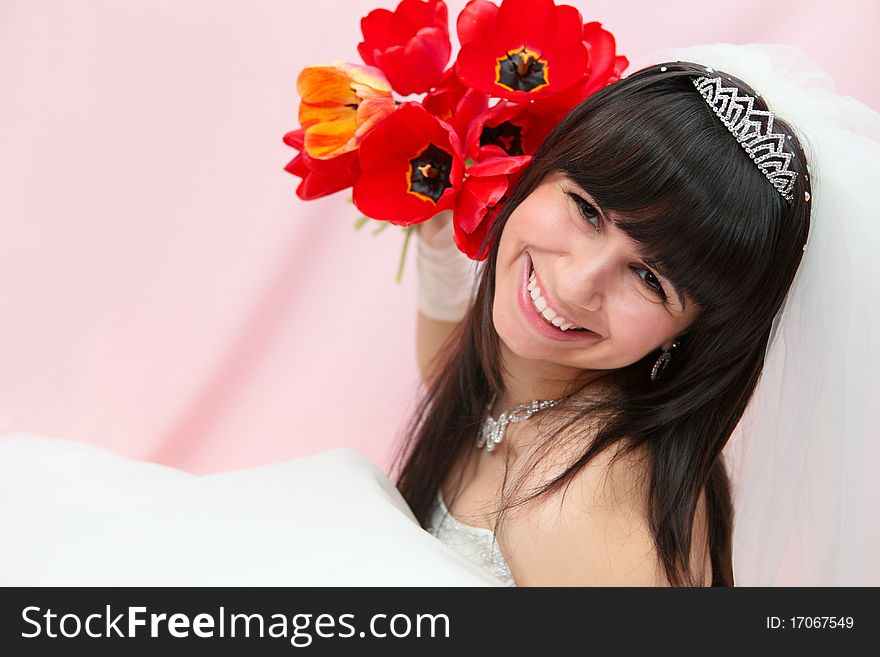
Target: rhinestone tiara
(748, 126)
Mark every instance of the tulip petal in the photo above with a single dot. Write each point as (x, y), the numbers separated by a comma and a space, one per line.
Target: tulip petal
(476, 68)
(425, 13)
(484, 191)
(568, 64)
(310, 115)
(569, 25)
(323, 177)
(367, 52)
(529, 23)
(297, 167)
(315, 186)
(319, 85)
(602, 46)
(430, 48)
(344, 167)
(382, 194)
(370, 112)
(404, 136)
(469, 209)
(294, 138)
(382, 29)
(472, 104)
(476, 22)
(365, 78)
(497, 166)
(331, 138)
(469, 243)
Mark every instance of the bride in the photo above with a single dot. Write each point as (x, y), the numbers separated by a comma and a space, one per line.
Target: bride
(668, 214)
(647, 225)
(607, 394)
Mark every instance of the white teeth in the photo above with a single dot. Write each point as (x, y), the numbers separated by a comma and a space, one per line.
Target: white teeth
(546, 311)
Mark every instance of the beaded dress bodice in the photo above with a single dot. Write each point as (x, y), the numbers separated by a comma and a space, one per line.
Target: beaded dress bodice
(476, 543)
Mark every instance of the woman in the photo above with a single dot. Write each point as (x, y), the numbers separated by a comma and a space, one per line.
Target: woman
(642, 219)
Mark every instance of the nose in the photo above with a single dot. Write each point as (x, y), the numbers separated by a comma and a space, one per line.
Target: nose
(584, 282)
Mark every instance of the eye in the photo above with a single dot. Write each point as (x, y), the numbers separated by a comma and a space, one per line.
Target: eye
(652, 282)
(589, 212)
(586, 209)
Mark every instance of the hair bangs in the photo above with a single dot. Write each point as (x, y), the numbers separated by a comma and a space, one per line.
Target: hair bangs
(653, 168)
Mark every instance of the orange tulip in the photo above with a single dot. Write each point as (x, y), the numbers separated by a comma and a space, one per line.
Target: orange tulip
(339, 105)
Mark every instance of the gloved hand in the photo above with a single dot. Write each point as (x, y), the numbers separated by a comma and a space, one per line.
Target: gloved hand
(446, 276)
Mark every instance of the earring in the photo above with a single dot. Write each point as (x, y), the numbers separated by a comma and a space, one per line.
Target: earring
(662, 362)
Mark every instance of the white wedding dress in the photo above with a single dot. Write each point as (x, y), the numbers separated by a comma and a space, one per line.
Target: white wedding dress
(476, 543)
(79, 515)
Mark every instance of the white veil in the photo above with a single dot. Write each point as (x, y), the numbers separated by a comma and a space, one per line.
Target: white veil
(804, 458)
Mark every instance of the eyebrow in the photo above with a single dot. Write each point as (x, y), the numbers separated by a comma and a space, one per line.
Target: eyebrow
(651, 263)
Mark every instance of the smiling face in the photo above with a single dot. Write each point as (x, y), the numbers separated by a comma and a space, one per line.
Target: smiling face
(590, 273)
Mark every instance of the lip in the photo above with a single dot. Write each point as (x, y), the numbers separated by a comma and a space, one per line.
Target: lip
(538, 322)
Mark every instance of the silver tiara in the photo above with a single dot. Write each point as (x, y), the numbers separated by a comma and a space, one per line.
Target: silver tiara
(736, 112)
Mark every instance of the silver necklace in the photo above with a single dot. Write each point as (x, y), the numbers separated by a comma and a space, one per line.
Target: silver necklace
(493, 430)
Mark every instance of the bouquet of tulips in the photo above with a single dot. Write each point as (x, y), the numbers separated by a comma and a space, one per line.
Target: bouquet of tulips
(521, 67)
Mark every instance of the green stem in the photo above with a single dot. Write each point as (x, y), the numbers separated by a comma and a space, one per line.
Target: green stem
(409, 230)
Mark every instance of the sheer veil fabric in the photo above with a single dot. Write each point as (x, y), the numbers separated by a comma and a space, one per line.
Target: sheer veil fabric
(803, 458)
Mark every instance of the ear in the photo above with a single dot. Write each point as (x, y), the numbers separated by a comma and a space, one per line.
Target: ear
(668, 344)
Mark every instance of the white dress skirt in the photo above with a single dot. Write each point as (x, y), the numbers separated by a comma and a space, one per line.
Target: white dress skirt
(81, 515)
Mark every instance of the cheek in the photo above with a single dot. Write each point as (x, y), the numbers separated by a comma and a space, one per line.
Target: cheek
(540, 221)
(637, 326)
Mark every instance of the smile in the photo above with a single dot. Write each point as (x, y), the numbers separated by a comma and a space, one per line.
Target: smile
(546, 311)
(546, 321)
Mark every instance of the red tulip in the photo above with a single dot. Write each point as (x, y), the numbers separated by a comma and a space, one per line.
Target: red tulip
(455, 103)
(482, 195)
(522, 50)
(320, 177)
(411, 44)
(507, 129)
(411, 167)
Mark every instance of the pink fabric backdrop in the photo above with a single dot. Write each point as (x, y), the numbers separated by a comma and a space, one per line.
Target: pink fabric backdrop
(165, 293)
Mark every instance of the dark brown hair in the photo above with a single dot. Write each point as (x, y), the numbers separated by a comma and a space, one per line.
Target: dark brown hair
(650, 149)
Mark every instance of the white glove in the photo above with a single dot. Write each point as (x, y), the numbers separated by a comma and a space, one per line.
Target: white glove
(447, 276)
